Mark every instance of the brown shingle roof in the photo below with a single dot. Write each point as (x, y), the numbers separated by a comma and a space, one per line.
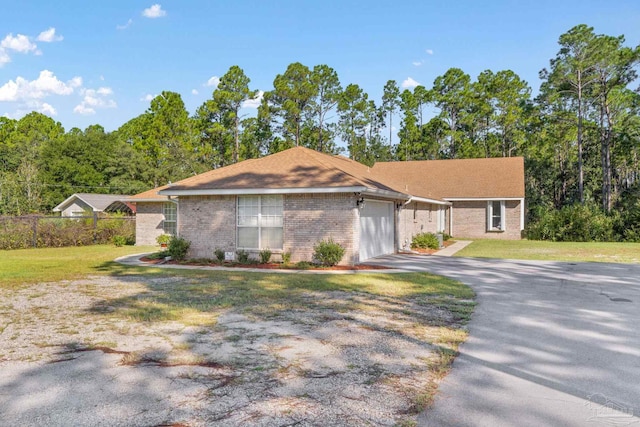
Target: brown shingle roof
(459, 178)
(300, 168)
(149, 195)
(294, 168)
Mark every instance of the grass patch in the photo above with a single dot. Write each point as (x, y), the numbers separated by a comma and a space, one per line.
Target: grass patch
(200, 296)
(27, 266)
(616, 252)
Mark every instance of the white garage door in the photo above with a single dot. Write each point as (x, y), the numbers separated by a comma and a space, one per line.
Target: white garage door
(376, 229)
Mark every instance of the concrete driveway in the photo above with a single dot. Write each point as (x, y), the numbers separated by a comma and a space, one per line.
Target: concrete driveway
(551, 344)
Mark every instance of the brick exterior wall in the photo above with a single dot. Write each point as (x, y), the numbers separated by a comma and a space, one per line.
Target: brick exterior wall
(209, 223)
(309, 218)
(149, 219)
(413, 219)
(470, 220)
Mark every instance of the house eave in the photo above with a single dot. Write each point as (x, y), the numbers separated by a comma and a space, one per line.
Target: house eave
(146, 200)
(302, 190)
(472, 199)
(431, 201)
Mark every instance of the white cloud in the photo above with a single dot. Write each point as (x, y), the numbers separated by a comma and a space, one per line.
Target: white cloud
(4, 58)
(429, 51)
(105, 91)
(101, 77)
(19, 43)
(94, 99)
(194, 91)
(75, 82)
(83, 110)
(255, 102)
(155, 11)
(46, 84)
(148, 97)
(213, 81)
(418, 63)
(49, 36)
(409, 82)
(125, 26)
(47, 109)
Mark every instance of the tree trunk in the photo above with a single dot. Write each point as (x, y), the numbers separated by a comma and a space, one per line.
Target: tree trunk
(236, 140)
(580, 171)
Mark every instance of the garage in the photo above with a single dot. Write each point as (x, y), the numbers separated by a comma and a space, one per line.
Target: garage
(376, 229)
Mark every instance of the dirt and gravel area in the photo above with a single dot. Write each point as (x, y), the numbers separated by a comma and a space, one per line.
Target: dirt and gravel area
(127, 351)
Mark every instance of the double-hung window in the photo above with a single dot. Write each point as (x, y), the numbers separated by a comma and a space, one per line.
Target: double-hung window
(260, 222)
(496, 215)
(170, 221)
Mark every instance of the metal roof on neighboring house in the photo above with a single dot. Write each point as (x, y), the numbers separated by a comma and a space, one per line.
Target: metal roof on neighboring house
(97, 202)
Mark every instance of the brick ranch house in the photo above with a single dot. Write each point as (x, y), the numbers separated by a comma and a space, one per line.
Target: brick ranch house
(289, 201)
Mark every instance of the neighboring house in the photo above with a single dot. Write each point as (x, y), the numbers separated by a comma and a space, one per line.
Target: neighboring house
(81, 204)
(155, 215)
(289, 201)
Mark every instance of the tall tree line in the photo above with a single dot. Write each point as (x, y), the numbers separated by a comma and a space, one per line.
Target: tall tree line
(580, 135)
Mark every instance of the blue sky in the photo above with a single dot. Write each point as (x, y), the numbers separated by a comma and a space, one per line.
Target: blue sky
(102, 60)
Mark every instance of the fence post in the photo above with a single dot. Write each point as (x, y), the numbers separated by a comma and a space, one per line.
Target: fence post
(95, 227)
(34, 226)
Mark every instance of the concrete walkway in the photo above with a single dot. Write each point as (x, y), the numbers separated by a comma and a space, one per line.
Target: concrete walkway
(451, 250)
(550, 344)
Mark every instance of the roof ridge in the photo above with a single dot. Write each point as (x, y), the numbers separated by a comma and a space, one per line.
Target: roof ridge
(335, 157)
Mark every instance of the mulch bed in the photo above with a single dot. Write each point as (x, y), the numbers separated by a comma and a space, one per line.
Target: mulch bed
(270, 266)
(446, 243)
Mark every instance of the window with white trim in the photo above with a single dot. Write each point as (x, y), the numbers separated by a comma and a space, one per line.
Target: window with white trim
(496, 215)
(259, 222)
(170, 220)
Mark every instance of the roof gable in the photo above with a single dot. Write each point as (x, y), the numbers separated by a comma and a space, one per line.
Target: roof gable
(97, 202)
(295, 168)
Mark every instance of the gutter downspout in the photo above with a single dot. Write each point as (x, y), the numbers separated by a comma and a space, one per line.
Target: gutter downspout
(400, 244)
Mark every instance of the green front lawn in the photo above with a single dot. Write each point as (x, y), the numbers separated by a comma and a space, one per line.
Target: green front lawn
(554, 251)
(24, 266)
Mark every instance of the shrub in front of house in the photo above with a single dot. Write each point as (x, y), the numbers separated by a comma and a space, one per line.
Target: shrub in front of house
(265, 256)
(286, 258)
(425, 241)
(219, 253)
(243, 256)
(178, 248)
(328, 252)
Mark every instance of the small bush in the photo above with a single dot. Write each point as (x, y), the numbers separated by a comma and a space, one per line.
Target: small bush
(286, 257)
(425, 241)
(119, 240)
(446, 237)
(265, 256)
(328, 252)
(158, 255)
(219, 255)
(178, 248)
(303, 265)
(243, 256)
